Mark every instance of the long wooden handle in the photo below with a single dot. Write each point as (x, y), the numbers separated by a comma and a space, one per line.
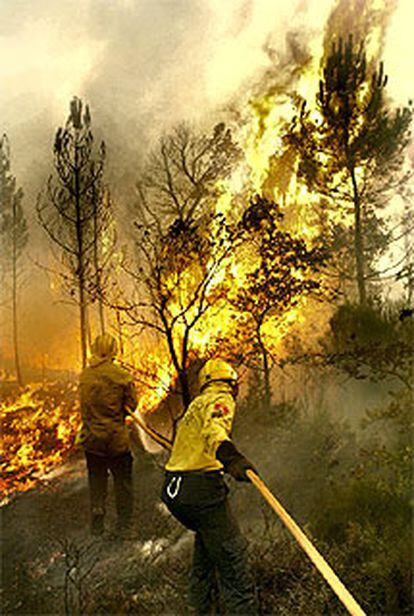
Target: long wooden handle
(320, 563)
(158, 438)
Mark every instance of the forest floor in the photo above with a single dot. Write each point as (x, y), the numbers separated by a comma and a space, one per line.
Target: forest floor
(52, 565)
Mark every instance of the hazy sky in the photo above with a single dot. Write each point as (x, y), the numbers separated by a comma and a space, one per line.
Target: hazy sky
(143, 65)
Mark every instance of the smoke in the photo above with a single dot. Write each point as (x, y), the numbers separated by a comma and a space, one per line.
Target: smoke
(142, 66)
(398, 52)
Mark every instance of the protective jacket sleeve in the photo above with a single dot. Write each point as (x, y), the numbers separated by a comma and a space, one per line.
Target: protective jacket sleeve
(218, 423)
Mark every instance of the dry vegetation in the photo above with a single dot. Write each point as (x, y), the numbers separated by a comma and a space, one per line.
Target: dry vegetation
(347, 482)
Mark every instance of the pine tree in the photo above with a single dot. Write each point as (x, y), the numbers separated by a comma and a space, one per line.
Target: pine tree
(351, 152)
(71, 210)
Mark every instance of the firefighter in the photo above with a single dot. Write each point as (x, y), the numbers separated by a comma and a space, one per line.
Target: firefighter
(107, 393)
(196, 494)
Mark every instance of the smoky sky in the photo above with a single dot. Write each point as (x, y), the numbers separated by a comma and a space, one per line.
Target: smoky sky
(143, 66)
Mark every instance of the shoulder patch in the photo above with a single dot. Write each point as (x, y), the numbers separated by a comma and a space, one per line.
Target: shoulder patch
(220, 410)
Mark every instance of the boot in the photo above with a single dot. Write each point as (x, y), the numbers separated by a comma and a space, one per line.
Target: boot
(97, 524)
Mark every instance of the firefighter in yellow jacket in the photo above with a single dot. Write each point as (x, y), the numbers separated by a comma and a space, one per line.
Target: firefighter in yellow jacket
(107, 393)
(196, 494)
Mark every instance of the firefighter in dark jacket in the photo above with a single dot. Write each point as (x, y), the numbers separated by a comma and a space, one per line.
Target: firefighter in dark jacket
(107, 393)
(196, 494)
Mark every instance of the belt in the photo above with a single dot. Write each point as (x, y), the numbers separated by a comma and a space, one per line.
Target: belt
(217, 473)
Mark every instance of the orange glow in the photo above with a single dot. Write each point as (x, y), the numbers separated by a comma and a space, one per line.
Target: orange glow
(38, 428)
(39, 424)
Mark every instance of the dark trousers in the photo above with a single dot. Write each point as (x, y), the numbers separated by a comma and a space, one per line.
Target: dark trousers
(199, 501)
(120, 468)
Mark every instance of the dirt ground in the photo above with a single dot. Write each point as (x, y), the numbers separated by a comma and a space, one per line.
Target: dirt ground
(51, 564)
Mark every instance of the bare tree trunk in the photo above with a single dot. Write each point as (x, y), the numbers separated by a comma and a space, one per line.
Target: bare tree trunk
(409, 259)
(80, 269)
(185, 388)
(410, 285)
(14, 308)
(101, 316)
(183, 374)
(267, 393)
(179, 367)
(82, 314)
(358, 242)
(89, 338)
(98, 281)
(120, 333)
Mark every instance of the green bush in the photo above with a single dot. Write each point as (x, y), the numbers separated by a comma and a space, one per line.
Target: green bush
(351, 490)
(354, 325)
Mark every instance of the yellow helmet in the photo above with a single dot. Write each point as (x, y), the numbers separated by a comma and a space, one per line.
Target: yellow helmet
(216, 370)
(104, 345)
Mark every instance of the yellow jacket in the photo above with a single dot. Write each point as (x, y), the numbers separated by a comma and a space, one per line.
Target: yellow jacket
(205, 425)
(106, 393)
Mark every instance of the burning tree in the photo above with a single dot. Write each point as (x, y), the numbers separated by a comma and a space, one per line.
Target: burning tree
(75, 212)
(351, 152)
(14, 237)
(284, 270)
(182, 178)
(181, 244)
(177, 277)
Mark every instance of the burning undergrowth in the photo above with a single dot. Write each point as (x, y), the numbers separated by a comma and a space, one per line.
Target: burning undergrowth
(38, 428)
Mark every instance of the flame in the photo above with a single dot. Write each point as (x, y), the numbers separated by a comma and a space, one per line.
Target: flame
(38, 428)
(155, 376)
(257, 172)
(39, 424)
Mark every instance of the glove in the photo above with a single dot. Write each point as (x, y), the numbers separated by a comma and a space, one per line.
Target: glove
(233, 461)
